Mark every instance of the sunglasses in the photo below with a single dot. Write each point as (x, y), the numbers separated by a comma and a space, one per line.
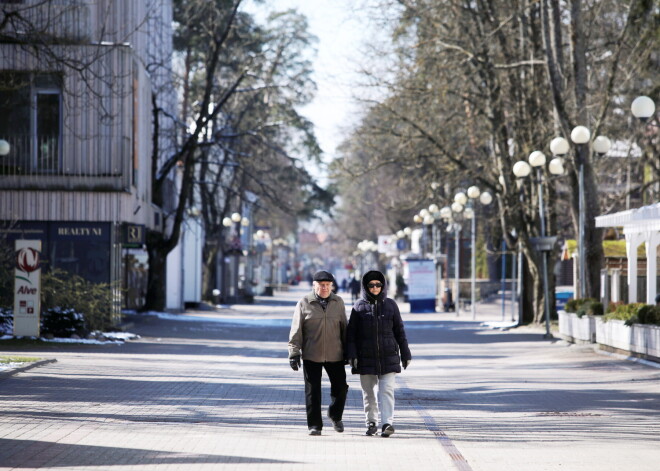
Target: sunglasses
(374, 285)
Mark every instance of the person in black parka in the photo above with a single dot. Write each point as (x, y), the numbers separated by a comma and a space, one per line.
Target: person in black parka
(376, 347)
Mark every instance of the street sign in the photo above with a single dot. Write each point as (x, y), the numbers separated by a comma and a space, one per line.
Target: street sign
(27, 288)
(543, 244)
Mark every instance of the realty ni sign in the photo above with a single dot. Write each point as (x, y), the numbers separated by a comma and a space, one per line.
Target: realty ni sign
(27, 288)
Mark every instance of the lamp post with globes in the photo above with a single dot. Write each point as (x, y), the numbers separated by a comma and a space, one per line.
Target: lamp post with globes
(485, 198)
(581, 136)
(544, 244)
(451, 214)
(643, 108)
(231, 282)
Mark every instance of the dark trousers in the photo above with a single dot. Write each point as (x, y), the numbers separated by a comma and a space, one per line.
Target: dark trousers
(338, 390)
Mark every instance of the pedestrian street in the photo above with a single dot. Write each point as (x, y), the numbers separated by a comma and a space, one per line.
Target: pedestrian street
(212, 389)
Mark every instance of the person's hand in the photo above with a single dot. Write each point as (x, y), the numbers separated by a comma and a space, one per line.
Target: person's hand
(352, 362)
(406, 363)
(295, 362)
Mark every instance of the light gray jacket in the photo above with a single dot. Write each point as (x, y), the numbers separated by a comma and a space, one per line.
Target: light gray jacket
(317, 334)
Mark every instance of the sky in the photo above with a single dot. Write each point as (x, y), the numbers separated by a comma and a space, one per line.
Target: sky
(341, 30)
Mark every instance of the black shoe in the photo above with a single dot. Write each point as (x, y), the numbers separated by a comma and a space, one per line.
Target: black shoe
(371, 428)
(338, 426)
(387, 430)
(314, 431)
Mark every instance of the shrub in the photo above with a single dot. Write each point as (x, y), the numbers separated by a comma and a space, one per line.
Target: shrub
(94, 301)
(6, 274)
(648, 314)
(62, 322)
(572, 305)
(6, 321)
(582, 306)
(623, 312)
(590, 308)
(612, 306)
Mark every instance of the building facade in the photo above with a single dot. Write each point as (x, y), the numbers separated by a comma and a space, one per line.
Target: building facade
(77, 80)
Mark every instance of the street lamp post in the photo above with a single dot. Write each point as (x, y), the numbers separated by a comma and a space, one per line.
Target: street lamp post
(448, 213)
(580, 136)
(485, 198)
(643, 108)
(522, 169)
(231, 291)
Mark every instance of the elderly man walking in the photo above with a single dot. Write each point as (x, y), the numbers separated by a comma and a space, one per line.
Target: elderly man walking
(318, 332)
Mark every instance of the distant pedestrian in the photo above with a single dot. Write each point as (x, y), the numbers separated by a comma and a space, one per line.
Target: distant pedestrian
(374, 338)
(335, 286)
(354, 286)
(318, 333)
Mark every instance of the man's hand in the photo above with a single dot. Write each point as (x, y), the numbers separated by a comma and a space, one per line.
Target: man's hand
(406, 363)
(352, 362)
(295, 362)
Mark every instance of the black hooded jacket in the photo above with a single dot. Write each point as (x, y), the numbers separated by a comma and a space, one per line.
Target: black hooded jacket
(375, 333)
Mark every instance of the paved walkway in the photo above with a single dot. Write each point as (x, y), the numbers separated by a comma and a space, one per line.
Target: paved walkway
(213, 390)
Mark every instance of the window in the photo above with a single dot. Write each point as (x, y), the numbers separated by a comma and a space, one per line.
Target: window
(30, 120)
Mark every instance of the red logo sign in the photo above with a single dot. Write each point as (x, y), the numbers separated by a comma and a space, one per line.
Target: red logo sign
(27, 260)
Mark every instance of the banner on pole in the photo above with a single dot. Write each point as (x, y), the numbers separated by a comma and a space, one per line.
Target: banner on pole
(27, 288)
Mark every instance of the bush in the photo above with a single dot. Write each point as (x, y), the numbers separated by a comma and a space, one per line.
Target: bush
(647, 314)
(6, 321)
(612, 306)
(591, 308)
(65, 291)
(572, 305)
(62, 322)
(582, 306)
(623, 312)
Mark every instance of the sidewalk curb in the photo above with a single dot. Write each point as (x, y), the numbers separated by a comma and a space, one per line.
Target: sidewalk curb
(21, 369)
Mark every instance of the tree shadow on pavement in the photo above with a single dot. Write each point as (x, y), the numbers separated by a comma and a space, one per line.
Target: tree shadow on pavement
(17, 454)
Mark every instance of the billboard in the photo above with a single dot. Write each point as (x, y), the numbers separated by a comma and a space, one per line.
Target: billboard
(420, 277)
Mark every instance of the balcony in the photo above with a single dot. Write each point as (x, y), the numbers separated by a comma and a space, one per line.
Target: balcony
(69, 162)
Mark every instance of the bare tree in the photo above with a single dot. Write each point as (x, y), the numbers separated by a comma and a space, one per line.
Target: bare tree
(240, 86)
(469, 97)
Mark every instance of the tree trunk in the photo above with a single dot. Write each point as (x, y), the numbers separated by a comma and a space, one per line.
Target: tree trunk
(157, 281)
(593, 245)
(527, 297)
(209, 275)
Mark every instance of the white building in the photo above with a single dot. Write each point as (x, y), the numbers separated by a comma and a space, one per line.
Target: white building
(76, 90)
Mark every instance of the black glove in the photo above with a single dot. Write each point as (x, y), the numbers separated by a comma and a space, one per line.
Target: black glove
(353, 362)
(406, 363)
(295, 362)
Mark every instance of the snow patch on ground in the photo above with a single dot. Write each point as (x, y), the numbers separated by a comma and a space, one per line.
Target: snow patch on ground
(249, 322)
(499, 324)
(86, 341)
(109, 338)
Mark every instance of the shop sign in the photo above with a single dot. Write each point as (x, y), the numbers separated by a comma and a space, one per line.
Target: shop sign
(134, 235)
(27, 288)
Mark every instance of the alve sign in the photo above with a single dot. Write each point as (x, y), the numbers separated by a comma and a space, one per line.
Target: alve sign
(27, 292)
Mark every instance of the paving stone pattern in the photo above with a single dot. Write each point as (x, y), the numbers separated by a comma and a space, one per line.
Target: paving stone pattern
(217, 393)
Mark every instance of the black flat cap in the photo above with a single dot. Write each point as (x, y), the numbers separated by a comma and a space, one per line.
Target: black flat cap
(323, 276)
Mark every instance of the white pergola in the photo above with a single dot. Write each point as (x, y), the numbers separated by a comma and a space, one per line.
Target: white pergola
(639, 225)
